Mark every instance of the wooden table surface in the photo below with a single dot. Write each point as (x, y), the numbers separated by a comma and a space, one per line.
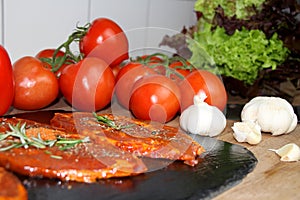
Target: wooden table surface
(271, 178)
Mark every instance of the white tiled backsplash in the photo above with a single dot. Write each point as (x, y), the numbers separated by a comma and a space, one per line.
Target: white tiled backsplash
(28, 26)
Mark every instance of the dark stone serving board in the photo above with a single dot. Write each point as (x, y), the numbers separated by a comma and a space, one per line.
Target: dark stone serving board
(221, 167)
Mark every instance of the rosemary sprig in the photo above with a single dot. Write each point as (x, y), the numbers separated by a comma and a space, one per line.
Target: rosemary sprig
(20, 139)
(109, 122)
(66, 143)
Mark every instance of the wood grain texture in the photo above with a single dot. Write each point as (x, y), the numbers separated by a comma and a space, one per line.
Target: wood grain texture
(271, 178)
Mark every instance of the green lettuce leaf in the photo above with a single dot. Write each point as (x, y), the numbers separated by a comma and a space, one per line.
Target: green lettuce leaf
(241, 55)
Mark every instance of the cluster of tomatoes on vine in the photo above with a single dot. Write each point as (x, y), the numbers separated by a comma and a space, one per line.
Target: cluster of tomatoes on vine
(153, 87)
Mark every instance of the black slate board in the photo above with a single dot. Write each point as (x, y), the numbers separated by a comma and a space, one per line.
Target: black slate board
(221, 167)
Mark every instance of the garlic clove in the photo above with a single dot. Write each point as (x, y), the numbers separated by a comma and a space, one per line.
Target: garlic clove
(251, 109)
(273, 114)
(248, 131)
(288, 153)
(218, 122)
(293, 124)
(202, 119)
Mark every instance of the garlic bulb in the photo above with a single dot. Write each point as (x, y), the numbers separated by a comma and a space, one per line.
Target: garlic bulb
(247, 132)
(272, 114)
(289, 152)
(202, 119)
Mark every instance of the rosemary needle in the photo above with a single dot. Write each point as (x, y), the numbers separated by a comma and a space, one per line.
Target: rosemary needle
(109, 122)
(56, 157)
(20, 139)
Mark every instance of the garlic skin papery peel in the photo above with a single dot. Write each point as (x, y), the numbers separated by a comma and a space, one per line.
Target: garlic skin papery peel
(272, 114)
(202, 118)
(248, 131)
(288, 153)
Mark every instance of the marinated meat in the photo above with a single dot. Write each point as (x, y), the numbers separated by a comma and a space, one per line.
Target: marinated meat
(146, 139)
(117, 147)
(74, 164)
(11, 187)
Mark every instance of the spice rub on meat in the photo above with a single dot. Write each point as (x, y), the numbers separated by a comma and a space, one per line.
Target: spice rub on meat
(86, 147)
(142, 138)
(61, 160)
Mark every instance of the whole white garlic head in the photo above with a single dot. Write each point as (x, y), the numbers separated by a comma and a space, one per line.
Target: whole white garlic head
(202, 119)
(272, 114)
(288, 153)
(247, 132)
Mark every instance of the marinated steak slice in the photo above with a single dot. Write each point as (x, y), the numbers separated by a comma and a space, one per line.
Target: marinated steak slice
(146, 139)
(84, 162)
(11, 187)
(116, 146)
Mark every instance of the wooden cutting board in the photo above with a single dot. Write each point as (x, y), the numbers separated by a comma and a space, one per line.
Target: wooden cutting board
(271, 178)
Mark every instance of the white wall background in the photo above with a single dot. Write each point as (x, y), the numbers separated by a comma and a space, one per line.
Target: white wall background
(28, 26)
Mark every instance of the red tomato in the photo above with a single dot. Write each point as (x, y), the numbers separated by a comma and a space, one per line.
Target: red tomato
(149, 58)
(106, 40)
(126, 78)
(46, 56)
(35, 86)
(155, 97)
(175, 70)
(203, 81)
(177, 65)
(6, 82)
(154, 62)
(48, 53)
(88, 85)
(158, 67)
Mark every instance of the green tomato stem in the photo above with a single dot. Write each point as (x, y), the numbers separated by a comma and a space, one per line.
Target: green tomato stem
(68, 56)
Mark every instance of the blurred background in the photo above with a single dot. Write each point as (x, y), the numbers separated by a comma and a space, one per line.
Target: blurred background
(28, 26)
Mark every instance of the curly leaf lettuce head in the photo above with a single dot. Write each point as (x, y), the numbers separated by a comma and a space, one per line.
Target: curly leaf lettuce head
(241, 55)
(240, 8)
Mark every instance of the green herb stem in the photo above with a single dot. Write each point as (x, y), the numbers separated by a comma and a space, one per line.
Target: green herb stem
(69, 57)
(18, 132)
(109, 122)
(166, 61)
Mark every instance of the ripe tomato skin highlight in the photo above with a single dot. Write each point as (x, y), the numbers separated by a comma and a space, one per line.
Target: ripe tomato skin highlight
(126, 78)
(88, 85)
(203, 81)
(6, 81)
(156, 98)
(106, 40)
(35, 86)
